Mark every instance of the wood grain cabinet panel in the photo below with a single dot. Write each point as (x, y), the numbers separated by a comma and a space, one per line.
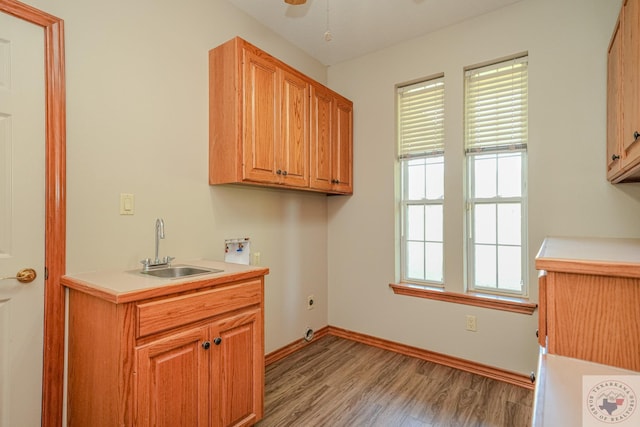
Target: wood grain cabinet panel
(261, 116)
(168, 313)
(630, 64)
(343, 146)
(614, 104)
(294, 135)
(623, 96)
(261, 120)
(189, 359)
(173, 381)
(322, 118)
(589, 300)
(236, 361)
(331, 141)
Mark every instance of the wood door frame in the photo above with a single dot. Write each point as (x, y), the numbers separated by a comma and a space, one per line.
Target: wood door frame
(55, 205)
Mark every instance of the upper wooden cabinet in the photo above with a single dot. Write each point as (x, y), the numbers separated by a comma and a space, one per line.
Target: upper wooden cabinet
(276, 135)
(614, 107)
(331, 142)
(265, 126)
(623, 97)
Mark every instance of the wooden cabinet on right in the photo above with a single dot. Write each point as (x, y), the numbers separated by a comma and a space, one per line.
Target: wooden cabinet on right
(589, 299)
(623, 97)
(331, 145)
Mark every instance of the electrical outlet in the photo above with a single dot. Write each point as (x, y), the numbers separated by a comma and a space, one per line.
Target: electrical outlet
(471, 323)
(256, 258)
(311, 302)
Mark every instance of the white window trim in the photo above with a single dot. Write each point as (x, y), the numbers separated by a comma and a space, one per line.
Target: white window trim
(405, 202)
(481, 141)
(423, 141)
(470, 246)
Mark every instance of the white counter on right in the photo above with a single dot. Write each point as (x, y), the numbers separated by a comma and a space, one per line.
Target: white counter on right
(558, 396)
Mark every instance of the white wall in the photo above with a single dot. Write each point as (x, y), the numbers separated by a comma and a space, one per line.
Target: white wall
(137, 122)
(568, 193)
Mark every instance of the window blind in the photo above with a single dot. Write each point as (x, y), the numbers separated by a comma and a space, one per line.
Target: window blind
(496, 106)
(421, 118)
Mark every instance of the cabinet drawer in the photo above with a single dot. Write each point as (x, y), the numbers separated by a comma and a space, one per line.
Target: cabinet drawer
(161, 315)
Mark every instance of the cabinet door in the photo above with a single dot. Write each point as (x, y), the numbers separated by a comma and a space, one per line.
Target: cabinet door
(293, 158)
(614, 112)
(260, 118)
(173, 381)
(237, 370)
(630, 81)
(594, 317)
(343, 147)
(322, 105)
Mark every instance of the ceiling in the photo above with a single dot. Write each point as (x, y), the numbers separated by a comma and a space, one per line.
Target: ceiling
(358, 27)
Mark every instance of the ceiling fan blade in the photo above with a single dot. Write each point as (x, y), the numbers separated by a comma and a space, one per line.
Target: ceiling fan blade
(295, 2)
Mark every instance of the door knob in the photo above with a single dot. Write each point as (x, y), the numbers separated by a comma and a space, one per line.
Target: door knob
(206, 345)
(26, 275)
(217, 341)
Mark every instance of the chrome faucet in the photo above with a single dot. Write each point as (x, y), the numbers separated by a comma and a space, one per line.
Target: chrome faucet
(157, 262)
(159, 235)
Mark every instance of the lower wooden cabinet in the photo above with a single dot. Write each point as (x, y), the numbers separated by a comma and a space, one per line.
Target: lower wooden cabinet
(589, 300)
(237, 399)
(589, 323)
(203, 376)
(172, 386)
(185, 359)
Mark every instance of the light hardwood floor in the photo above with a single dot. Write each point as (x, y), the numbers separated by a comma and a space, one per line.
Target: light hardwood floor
(335, 382)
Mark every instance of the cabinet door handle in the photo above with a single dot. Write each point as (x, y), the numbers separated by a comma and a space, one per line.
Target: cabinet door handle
(615, 157)
(537, 333)
(636, 135)
(284, 173)
(206, 345)
(217, 341)
(279, 172)
(532, 377)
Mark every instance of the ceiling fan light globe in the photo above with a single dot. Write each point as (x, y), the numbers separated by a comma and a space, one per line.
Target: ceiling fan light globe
(295, 2)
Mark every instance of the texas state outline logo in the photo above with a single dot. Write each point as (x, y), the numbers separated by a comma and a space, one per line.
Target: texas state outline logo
(611, 400)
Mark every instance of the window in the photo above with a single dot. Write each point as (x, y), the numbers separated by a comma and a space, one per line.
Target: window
(496, 161)
(421, 160)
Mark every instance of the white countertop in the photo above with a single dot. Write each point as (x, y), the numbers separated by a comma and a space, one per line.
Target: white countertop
(121, 286)
(558, 397)
(590, 255)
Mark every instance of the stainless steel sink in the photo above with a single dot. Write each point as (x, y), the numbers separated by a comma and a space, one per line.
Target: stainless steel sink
(179, 271)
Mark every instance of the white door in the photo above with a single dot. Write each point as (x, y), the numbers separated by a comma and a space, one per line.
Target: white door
(22, 215)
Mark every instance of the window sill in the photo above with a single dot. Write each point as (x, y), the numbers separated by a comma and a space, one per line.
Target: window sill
(514, 305)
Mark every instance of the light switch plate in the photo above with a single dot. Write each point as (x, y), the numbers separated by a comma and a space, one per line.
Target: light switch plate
(126, 204)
